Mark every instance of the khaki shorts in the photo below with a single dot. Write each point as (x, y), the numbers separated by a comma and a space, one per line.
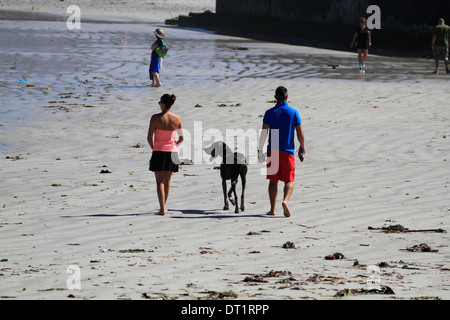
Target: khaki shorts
(440, 53)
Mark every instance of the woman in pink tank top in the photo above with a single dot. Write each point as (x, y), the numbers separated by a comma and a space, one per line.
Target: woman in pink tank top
(165, 133)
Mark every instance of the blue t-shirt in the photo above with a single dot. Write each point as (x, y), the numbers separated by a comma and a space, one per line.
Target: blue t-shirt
(283, 118)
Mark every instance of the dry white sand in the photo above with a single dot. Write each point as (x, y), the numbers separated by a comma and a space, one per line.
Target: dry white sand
(377, 155)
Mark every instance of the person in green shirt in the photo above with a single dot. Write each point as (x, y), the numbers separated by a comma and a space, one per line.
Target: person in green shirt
(439, 44)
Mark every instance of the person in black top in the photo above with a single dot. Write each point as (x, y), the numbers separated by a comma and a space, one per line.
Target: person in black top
(363, 40)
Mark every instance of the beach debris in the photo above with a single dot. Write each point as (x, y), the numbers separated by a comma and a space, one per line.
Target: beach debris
(105, 250)
(261, 278)
(427, 298)
(253, 233)
(59, 108)
(391, 228)
(206, 250)
(380, 265)
(400, 228)
(198, 106)
(335, 256)
(105, 170)
(133, 250)
(137, 146)
(357, 264)
(224, 105)
(348, 292)
(321, 278)
(220, 294)
(56, 185)
(14, 158)
(423, 247)
(289, 245)
(410, 268)
(162, 296)
(255, 278)
(273, 273)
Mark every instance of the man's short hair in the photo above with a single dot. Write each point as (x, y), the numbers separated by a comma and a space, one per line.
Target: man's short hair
(281, 93)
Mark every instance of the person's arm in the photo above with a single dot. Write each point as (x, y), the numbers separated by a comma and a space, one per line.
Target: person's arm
(354, 40)
(262, 141)
(151, 131)
(180, 134)
(433, 41)
(156, 44)
(301, 139)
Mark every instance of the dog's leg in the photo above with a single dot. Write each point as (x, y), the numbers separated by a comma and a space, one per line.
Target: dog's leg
(230, 193)
(243, 180)
(234, 200)
(224, 189)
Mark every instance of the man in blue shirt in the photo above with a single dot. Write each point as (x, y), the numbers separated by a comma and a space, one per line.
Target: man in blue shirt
(284, 123)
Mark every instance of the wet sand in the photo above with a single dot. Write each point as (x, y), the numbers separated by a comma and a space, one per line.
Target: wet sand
(76, 103)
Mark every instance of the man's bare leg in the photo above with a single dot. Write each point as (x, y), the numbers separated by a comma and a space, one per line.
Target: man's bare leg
(273, 192)
(288, 189)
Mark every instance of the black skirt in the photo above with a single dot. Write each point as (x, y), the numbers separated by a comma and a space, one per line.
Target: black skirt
(164, 161)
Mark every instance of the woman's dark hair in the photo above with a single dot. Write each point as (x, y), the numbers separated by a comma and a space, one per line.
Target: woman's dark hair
(168, 100)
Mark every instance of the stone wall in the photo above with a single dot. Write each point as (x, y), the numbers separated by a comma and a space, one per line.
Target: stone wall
(412, 17)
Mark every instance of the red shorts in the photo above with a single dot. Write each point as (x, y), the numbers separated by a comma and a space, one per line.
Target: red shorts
(280, 166)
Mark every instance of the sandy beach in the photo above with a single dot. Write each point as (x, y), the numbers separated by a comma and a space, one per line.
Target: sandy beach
(77, 198)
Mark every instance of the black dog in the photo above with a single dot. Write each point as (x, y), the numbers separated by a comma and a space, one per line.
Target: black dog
(233, 165)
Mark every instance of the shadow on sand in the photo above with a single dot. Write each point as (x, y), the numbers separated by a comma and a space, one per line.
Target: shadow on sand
(186, 214)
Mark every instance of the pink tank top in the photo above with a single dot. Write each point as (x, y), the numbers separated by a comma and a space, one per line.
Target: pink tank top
(165, 141)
